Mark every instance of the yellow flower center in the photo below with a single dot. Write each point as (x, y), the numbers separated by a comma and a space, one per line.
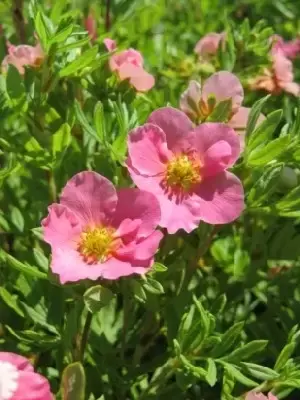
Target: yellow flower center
(97, 244)
(183, 172)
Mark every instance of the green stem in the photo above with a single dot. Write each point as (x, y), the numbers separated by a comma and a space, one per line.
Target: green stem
(85, 335)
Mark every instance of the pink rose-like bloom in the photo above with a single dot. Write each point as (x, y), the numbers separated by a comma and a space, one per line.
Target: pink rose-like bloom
(90, 24)
(96, 232)
(185, 168)
(128, 64)
(209, 44)
(260, 396)
(18, 381)
(23, 55)
(199, 102)
(290, 49)
(278, 78)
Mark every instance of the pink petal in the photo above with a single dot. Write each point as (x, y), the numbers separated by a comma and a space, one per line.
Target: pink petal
(90, 196)
(224, 85)
(90, 25)
(143, 182)
(20, 362)
(68, 264)
(272, 397)
(32, 386)
(60, 226)
(173, 122)
(209, 44)
(292, 87)
(147, 248)
(218, 147)
(138, 205)
(141, 80)
(179, 213)
(116, 268)
(221, 198)
(127, 228)
(190, 98)
(256, 396)
(110, 44)
(283, 68)
(147, 149)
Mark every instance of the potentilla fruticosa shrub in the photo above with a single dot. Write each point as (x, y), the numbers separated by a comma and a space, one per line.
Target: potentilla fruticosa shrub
(150, 200)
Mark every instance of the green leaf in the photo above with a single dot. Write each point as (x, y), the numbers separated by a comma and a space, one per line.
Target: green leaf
(241, 262)
(153, 286)
(42, 30)
(239, 376)
(260, 372)
(185, 325)
(246, 351)
(229, 339)
(24, 268)
(199, 372)
(62, 35)
(99, 119)
(221, 112)
(138, 291)
(211, 376)
(204, 316)
(17, 219)
(284, 356)
(291, 200)
(254, 115)
(61, 139)
(264, 131)
(80, 63)
(97, 297)
(73, 382)
(11, 301)
(57, 9)
(264, 154)
(14, 83)
(84, 122)
(41, 259)
(158, 267)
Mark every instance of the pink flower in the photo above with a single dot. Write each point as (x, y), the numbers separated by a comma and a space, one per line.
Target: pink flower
(260, 396)
(289, 49)
(90, 24)
(198, 103)
(185, 169)
(18, 381)
(23, 55)
(128, 64)
(209, 44)
(278, 78)
(96, 232)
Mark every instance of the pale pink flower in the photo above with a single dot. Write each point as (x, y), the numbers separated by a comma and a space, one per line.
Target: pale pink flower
(110, 44)
(18, 381)
(278, 78)
(290, 49)
(199, 102)
(260, 396)
(185, 168)
(209, 44)
(90, 25)
(128, 64)
(23, 55)
(96, 232)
